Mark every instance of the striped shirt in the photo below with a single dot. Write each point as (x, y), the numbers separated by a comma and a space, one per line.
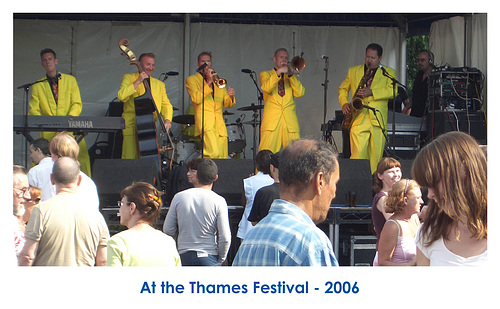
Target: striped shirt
(285, 237)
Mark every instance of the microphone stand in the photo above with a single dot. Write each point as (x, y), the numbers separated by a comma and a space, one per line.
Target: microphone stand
(202, 113)
(260, 99)
(395, 84)
(25, 132)
(325, 92)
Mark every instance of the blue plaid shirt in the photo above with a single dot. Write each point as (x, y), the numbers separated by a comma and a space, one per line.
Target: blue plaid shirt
(285, 237)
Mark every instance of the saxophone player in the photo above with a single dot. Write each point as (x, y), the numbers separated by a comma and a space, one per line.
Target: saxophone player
(367, 131)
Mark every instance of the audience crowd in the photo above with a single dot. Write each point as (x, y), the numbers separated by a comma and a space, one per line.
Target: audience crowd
(57, 221)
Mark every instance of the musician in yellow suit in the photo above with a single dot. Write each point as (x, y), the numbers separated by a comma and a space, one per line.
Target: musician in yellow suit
(132, 86)
(209, 121)
(280, 125)
(59, 95)
(368, 128)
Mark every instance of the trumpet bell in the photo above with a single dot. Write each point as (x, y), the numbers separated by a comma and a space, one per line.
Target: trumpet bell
(220, 82)
(298, 63)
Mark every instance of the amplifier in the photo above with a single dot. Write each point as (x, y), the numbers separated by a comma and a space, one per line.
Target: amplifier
(472, 123)
(455, 88)
(363, 249)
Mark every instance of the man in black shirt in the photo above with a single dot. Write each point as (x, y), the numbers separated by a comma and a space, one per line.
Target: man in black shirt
(419, 97)
(266, 195)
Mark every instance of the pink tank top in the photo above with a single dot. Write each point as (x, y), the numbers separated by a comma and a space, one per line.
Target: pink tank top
(405, 250)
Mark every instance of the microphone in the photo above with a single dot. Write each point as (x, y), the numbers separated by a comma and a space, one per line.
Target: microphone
(384, 71)
(201, 67)
(324, 57)
(246, 71)
(171, 73)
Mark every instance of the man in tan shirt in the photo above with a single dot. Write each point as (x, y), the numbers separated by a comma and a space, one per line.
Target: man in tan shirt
(63, 231)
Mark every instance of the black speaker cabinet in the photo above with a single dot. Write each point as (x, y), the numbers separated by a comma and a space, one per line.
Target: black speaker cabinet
(355, 176)
(473, 123)
(111, 176)
(231, 174)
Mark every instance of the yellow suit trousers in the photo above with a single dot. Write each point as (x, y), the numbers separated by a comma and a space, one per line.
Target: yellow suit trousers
(367, 132)
(208, 119)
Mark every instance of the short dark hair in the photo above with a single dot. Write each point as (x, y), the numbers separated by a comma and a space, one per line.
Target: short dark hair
(205, 53)
(274, 160)
(206, 170)
(261, 161)
(42, 144)
(48, 50)
(376, 47)
(303, 159)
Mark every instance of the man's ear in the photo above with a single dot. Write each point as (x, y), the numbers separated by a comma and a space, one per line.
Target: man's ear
(319, 182)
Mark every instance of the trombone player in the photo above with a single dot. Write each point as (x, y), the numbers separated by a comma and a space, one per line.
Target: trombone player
(367, 131)
(280, 125)
(209, 95)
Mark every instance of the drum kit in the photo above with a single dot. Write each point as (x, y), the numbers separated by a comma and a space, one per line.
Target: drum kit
(186, 148)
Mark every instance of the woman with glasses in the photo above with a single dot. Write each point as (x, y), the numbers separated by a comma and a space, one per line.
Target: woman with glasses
(141, 244)
(454, 169)
(397, 241)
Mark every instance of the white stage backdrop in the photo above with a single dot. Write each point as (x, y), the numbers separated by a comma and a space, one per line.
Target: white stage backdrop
(89, 51)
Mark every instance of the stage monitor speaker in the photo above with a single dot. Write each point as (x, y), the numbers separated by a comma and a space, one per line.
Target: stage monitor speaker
(111, 176)
(355, 176)
(231, 174)
(473, 123)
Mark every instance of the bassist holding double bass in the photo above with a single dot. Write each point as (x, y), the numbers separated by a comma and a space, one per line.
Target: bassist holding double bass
(132, 86)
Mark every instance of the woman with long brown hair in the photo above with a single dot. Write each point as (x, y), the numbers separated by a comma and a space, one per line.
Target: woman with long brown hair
(454, 232)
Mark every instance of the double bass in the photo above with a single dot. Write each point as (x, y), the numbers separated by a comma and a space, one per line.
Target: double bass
(145, 106)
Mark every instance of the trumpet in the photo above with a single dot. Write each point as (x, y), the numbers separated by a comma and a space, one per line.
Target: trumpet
(220, 82)
(296, 65)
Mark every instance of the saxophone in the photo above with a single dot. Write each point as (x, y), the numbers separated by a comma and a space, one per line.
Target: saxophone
(356, 104)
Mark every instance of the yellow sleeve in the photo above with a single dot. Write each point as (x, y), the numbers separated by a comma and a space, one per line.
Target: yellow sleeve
(197, 88)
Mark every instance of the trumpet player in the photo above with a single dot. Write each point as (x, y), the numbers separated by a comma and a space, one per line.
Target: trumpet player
(280, 125)
(367, 131)
(207, 90)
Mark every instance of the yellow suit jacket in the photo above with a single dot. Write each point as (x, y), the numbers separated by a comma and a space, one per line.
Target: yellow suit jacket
(275, 106)
(127, 94)
(69, 102)
(382, 91)
(214, 121)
